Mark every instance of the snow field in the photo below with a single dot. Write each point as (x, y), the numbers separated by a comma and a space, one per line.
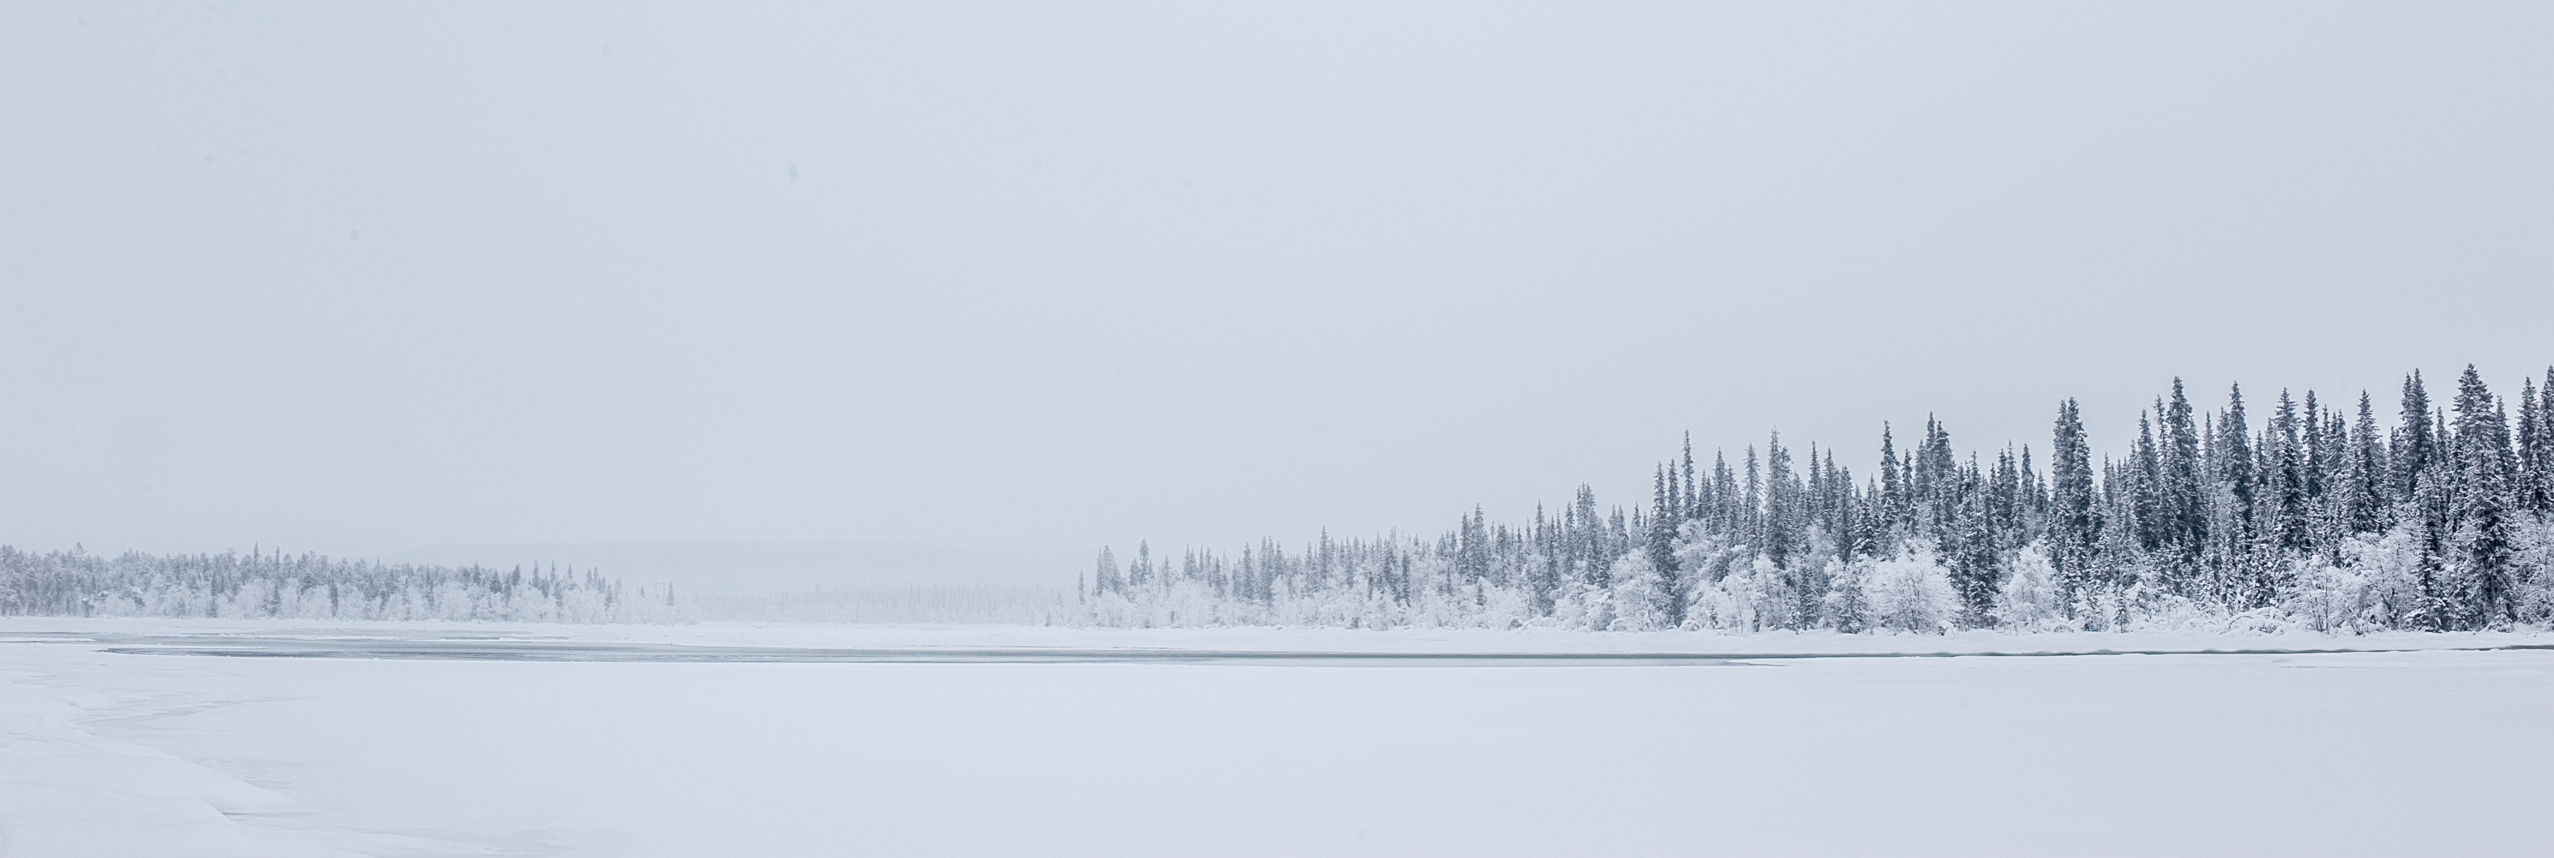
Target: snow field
(2421, 752)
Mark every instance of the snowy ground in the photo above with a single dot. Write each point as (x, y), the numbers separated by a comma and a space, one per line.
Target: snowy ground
(130, 737)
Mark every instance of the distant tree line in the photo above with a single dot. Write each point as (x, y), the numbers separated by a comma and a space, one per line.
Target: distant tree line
(2316, 517)
(307, 586)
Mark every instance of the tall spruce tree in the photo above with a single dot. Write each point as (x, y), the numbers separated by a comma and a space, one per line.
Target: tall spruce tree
(2235, 469)
(1692, 507)
(2285, 469)
(2319, 469)
(2072, 532)
(1663, 521)
(2480, 508)
(2427, 501)
(1894, 504)
(2413, 444)
(2535, 490)
(2146, 489)
(2365, 499)
(2544, 504)
(1782, 505)
(1970, 543)
(2185, 501)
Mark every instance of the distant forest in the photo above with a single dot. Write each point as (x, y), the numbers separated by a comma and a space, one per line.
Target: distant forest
(307, 586)
(2317, 517)
(275, 585)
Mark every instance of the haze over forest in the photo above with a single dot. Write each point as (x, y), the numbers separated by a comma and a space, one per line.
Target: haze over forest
(366, 280)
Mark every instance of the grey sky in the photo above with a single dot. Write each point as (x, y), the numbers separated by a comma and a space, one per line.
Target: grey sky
(363, 277)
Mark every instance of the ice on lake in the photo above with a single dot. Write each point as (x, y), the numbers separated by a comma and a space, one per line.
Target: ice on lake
(210, 738)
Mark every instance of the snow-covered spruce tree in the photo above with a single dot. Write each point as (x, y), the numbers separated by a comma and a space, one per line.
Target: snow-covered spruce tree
(2534, 493)
(2365, 494)
(2184, 528)
(2072, 524)
(1667, 515)
(1975, 562)
(2244, 584)
(2479, 511)
(2283, 478)
(2534, 557)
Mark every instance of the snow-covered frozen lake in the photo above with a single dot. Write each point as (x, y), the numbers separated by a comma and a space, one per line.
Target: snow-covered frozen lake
(143, 737)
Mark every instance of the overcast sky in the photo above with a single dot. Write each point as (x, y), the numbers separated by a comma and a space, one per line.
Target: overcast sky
(360, 277)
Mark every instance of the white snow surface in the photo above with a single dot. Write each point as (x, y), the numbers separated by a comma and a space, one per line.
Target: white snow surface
(2289, 744)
